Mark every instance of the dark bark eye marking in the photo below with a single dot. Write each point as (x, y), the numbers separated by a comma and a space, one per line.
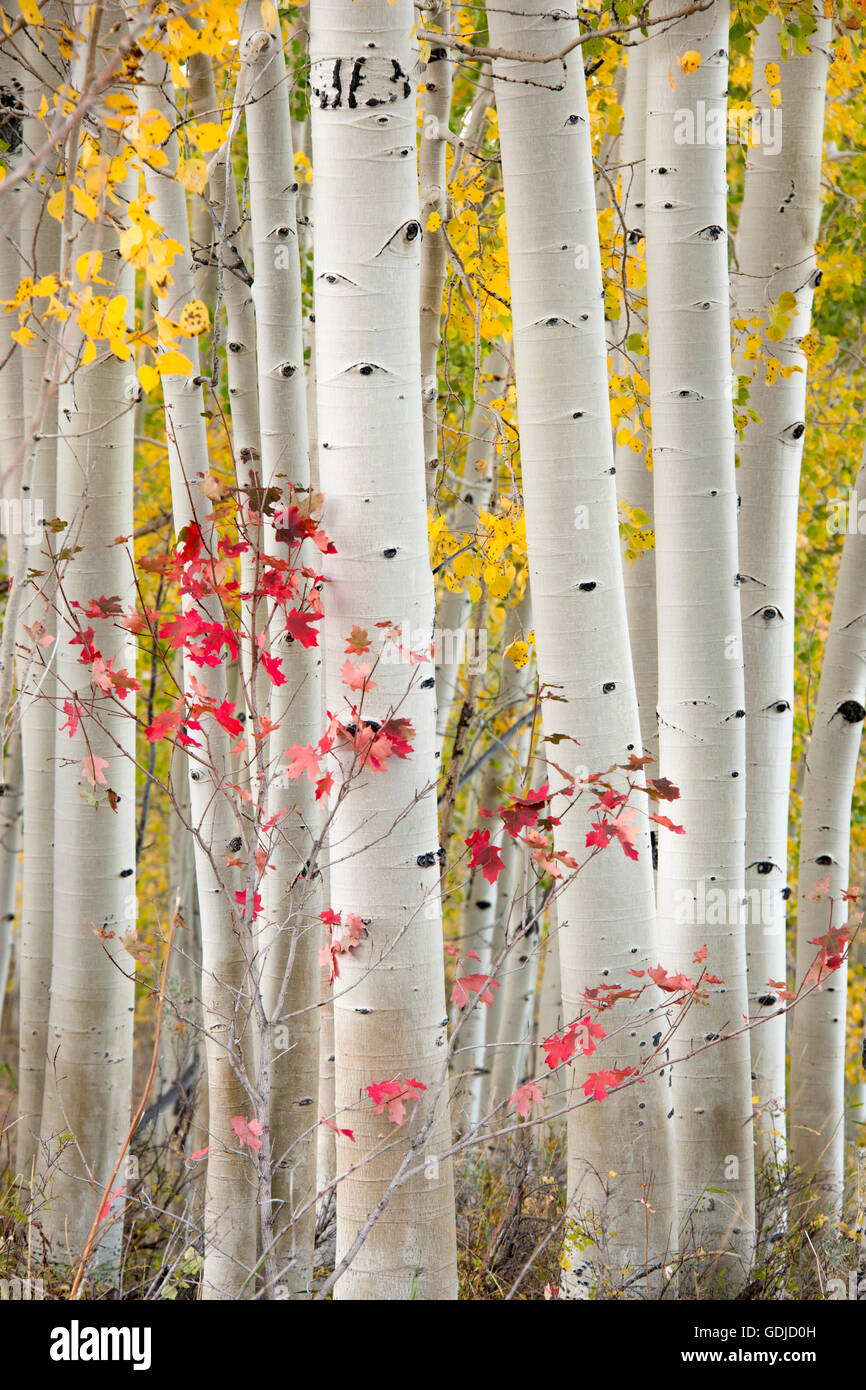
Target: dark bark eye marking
(711, 233)
(328, 277)
(792, 433)
(852, 711)
(403, 239)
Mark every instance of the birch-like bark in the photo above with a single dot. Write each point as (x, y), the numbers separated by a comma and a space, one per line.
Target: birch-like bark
(40, 239)
(479, 471)
(478, 934)
(634, 481)
(10, 844)
(437, 76)
(292, 889)
(88, 1083)
(817, 1132)
(779, 222)
(389, 1014)
(230, 1212)
(607, 910)
(701, 702)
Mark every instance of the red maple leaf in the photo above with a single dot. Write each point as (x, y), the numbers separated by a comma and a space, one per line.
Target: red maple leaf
(559, 1049)
(303, 758)
(598, 1083)
(299, 629)
(661, 789)
(524, 1098)
(484, 856)
(357, 677)
(223, 714)
(247, 1131)
(479, 984)
(393, 1094)
(274, 668)
(523, 811)
(336, 1128)
(671, 984)
(73, 719)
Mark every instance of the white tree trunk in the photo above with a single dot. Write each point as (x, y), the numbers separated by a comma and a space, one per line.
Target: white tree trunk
(634, 481)
(455, 605)
(817, 1132)
(88, 1082)
(701, 702)
(607, 910)
(437, 79)
(293, 898)
(384, 863)
(230, 1214)
(10, 845)
(779, 222)
(38, 717)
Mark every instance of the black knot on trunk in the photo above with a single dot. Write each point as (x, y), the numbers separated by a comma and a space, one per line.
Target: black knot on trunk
(852, 711)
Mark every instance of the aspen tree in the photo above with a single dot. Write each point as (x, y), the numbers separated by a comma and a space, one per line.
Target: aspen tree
(229, 1212)
(701, 702)
(291, 940)
(88, 1083)
(40, 238)
(607, 911)
(437, 80)
(775, 281)
(389, 1021)
(817, 1114)
(634, 480)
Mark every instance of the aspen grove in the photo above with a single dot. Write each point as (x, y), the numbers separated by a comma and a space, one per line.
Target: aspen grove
(433, 654)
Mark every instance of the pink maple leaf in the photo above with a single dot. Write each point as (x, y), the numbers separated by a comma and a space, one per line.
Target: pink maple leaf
(247, 1131)
(524, 1097)
(93, 770)
(478, 984)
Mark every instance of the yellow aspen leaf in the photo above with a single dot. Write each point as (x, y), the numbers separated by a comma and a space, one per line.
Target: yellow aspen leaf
(43, 108)
(434, 222)
(48, 285)
(84, 205)
(270, 18)
(775, 97)
(208, 136)
(88, 265)
(159, 279)
(194, 319)
(771, 74)
(786, 301)
(55, 205)
(148, 377)
(89, 352)
(192, 175)
(30, 12)
(518, 652)
(23, 335)
(690, 61)
(131, 246)
(173, 364)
